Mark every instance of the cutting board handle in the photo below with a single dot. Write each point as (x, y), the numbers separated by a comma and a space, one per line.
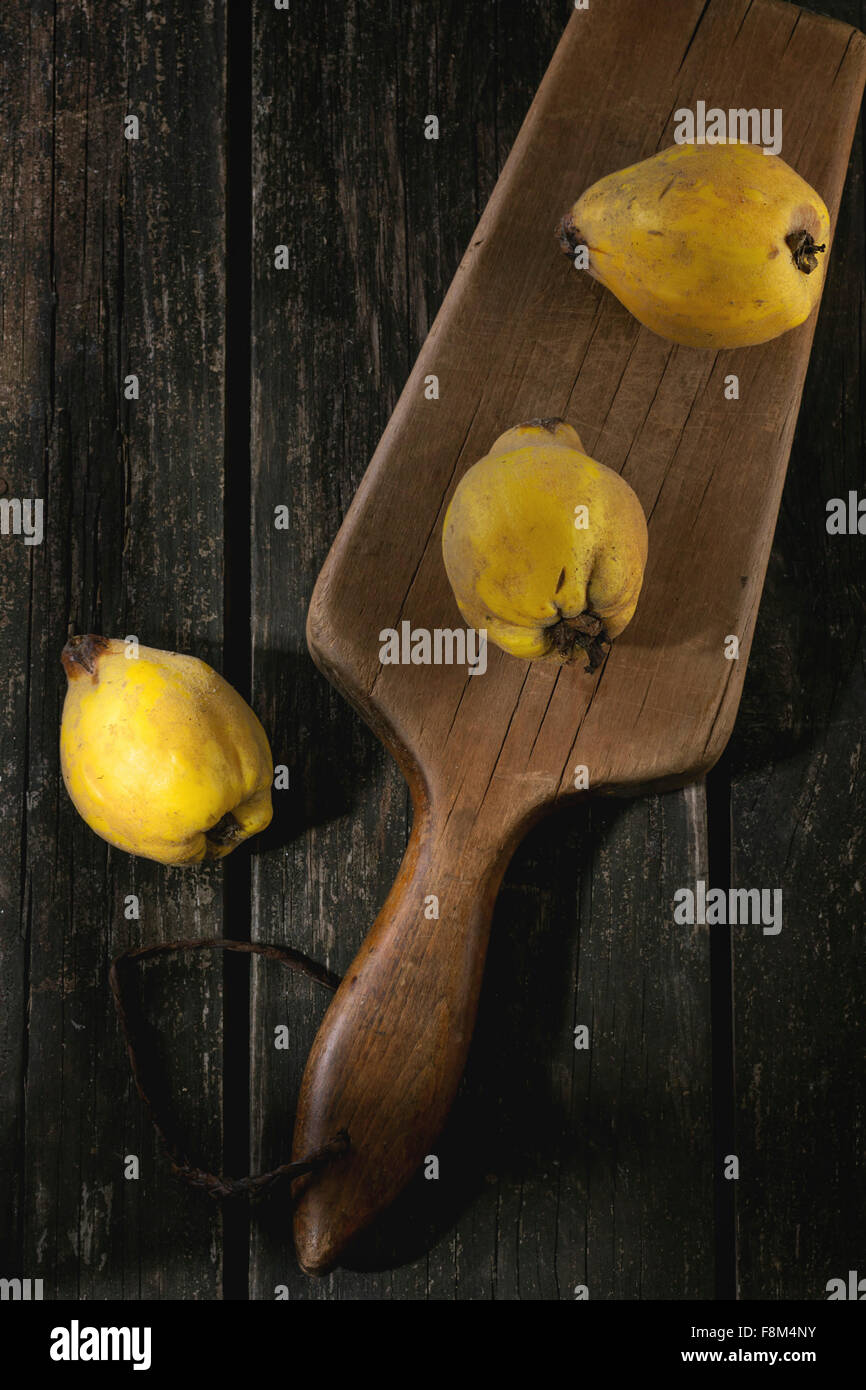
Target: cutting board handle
(387, 1060)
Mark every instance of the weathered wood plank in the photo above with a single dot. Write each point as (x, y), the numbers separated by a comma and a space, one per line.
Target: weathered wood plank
(331, 344)
(116, 267)
(376, 219)
(798, 794)
(25, 319)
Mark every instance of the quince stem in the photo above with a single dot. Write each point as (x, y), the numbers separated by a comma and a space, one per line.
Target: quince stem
(81, 655)
(548, 423)
(569, 236)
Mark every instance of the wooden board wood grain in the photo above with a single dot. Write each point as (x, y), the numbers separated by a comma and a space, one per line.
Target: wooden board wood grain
(519, 336)
(545, 1146)
(113, 264)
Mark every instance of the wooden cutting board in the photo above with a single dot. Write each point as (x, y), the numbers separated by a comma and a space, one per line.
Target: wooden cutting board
(521, 334)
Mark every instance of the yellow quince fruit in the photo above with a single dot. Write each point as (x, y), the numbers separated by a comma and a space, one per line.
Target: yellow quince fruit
(545, 548)
(160, 755)
(713, 246)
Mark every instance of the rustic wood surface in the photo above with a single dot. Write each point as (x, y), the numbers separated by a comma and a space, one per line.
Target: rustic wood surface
(519, 337)
(558, 1168)
(112, 264)
(797, 791)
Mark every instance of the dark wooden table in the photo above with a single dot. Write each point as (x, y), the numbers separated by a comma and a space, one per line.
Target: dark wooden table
(559, 1167)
